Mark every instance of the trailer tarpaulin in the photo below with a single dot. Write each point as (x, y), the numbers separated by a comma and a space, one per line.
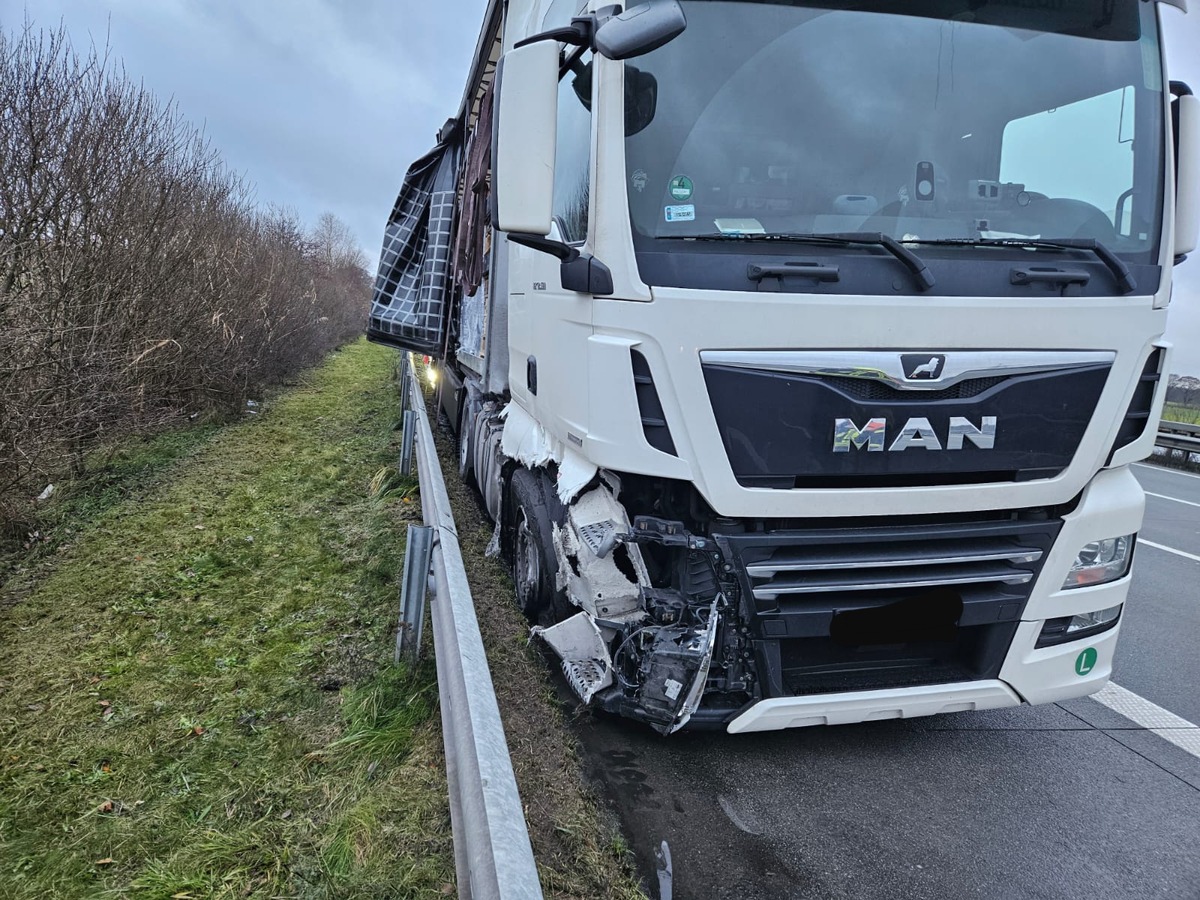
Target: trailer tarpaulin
(412, 290)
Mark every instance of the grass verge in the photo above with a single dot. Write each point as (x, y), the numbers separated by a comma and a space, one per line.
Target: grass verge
(126, 471)
(199, 700)
(1177, 412)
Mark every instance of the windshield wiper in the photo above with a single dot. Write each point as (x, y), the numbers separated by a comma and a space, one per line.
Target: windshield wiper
(1114, 264)
(911, 261)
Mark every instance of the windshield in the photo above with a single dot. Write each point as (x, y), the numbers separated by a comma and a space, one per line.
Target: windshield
(949, 120)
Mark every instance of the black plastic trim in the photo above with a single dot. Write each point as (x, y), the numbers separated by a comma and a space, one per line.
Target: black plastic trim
(654, 419)
(1141, 404)
(786, 438)
(1054, 631)
(863, 270)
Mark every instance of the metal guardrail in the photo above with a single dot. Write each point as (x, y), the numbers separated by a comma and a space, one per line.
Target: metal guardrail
(492, 855)
(1178, 436)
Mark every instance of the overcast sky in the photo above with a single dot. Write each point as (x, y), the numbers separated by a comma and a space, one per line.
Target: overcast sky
(324, 103)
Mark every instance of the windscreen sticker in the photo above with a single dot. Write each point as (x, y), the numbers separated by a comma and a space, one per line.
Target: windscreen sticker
(640, 180)
(680, 188)
(739, 226)
(681, 213)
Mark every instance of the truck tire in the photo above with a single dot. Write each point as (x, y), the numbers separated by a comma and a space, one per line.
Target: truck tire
(466, 451)
(534, 562)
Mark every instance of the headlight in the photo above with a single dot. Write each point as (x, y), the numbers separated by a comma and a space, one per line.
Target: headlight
(1100, 562)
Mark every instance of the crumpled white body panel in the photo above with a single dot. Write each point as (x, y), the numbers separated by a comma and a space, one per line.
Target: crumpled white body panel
(526, 441)
(585, 660)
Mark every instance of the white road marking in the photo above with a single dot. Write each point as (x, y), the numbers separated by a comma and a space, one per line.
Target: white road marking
(1176, 729)
(1191, 556)
(1165, 469)
(1165, 497)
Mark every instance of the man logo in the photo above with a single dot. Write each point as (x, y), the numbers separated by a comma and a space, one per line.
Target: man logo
(917, 433)
(922, 367)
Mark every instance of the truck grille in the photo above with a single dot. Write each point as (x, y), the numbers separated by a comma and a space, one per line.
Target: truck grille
(872, 607)
(1005, 556)
(892, 565)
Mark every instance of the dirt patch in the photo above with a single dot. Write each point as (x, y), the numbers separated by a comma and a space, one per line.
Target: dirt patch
(579, 849)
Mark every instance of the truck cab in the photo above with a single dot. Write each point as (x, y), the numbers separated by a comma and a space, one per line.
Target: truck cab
(800, 350)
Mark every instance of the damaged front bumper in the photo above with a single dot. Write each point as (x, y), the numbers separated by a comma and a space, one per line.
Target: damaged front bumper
(639, 651)
(671, 674)
(752, 626)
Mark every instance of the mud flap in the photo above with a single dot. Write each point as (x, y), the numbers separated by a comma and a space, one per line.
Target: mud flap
(585, 660)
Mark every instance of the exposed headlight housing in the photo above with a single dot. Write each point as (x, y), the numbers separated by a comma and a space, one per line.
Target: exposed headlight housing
(1076, 628)
(1101, 562)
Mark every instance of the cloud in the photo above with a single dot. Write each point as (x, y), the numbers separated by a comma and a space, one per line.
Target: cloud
(322, 105)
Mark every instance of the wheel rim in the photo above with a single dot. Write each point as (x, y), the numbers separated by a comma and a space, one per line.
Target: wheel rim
(463, 447)
(527, 567)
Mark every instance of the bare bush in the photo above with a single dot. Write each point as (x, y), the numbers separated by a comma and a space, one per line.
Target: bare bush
(138, 280)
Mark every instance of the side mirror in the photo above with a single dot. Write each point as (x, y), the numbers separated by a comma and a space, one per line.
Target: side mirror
(620, 35)
(641, 100)
(640, 29)
(641, 96)
(1186, 114)
(524, 137)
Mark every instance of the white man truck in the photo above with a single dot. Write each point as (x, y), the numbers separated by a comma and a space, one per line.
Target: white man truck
(800, 349)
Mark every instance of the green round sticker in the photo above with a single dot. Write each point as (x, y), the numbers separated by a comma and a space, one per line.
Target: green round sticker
(1086, 661)
(681, 188)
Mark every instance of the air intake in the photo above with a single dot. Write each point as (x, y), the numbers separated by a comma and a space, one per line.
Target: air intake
(654, 420)
(1133, 426)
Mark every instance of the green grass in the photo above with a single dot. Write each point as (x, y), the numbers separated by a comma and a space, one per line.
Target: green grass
(1176, 412)
(110, 476)
(199, 696)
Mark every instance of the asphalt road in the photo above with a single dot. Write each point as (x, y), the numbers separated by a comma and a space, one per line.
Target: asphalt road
(1065, 801)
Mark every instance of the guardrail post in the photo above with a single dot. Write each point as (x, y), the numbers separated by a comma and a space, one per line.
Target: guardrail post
(406, 442)
(418, 553)
(405, 372)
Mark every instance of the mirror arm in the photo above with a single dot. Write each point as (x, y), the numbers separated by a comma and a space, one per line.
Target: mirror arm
(572, 63)
(563, 252)
(579, 33)
(586, 275)
(580, 272)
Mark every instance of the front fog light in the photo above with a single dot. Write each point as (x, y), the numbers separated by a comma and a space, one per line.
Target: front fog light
(1093, 620)
(1076, 628)
(1100, 562)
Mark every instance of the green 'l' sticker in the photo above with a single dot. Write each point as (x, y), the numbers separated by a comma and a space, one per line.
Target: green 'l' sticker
(1086, 661)
(681, 188)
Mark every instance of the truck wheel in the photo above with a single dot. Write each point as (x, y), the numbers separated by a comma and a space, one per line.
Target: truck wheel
(534, 562)
(466, 452)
